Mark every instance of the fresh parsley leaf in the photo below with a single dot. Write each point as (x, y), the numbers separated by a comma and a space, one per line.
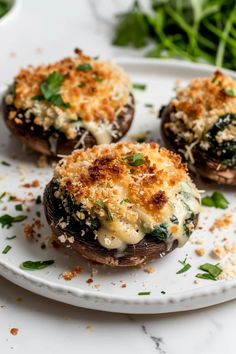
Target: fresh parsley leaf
(8, 220)
(211, 271)
(144, 293)
(31, 265)
(134, 160)
(163, 292)
(141, 87)
(216, 200)
(106, 209)
(160, 232)
(85, 67)
(98, 78)
(50, 90)
(12, 198)
(6, 249)
(132, 28)
(18, 207)
(11, 237)
(185, 268)
(5, 163)
(38, 200)
(230, 92)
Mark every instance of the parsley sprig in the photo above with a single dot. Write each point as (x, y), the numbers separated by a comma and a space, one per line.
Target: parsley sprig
(7, 220)
(185, 268)
(210, 271)
(134, 159)
(36, 265)
(216, 200)
(50, 90)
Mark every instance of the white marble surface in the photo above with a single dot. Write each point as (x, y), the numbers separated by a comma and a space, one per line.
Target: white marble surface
(49, 327)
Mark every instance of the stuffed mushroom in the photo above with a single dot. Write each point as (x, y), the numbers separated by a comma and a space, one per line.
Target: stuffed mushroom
(122, 204)
(76, 102)
(200, 124)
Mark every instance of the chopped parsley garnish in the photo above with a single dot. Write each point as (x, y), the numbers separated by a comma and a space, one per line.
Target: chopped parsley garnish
(163, 292)
(135, 159)
(2, 195)
(18, 207)
(6, 249)
(216, 200)
(50, 90)
(106, 209)
(82, 84)
(149, 105)
(124, 201)
(160, 232)
(141, 87)
(144, 293)
(98, 78)
(11, 237)
(5, 163)
(211, 271)
(8, 220)
(230, 92)
(31, 265)
(85, 67)
(185, 268)
(38, 200)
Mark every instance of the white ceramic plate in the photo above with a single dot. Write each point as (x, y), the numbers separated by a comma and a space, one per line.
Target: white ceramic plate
(113, 289)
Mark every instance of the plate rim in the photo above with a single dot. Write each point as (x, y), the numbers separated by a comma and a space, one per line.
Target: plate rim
(119, 300)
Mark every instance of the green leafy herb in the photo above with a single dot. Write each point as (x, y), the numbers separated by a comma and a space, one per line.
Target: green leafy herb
(211, 271)
(160, 232)
(11, 237)
(106, 209)
(6, 249)
(50, 90)
(163, 292)
(141, 87)
(38, 200)
(185, 268)
(216, 200)
(5, 163)
(2, 195)
(144, 293)
(31, 265)
(8, 220)
(200, 31)
(4, 8)
(230, 92)
(135, 159)
(18, 207)
(132, 28)
(85, 67)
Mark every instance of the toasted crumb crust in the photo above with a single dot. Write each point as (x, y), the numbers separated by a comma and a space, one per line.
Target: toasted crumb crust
(103, 173)
(96, 94)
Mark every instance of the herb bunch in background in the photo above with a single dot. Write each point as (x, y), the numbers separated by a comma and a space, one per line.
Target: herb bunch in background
(196, 30)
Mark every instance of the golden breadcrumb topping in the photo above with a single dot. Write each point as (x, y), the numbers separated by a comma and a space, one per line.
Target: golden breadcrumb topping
(129, 184)
(93, 90)
(198, 106)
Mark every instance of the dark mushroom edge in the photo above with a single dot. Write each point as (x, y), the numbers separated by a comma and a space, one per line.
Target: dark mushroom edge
(80, 235)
